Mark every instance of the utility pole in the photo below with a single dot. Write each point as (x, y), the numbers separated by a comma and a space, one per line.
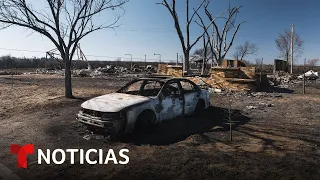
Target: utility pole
(45, 61)
(159, 57)
(145, 61)
(131, 59)
(304, 78)
(292, 33)
(261, 70)
(177, 59)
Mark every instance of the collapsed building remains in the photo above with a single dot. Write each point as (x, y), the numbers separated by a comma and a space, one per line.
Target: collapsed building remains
(100, 71)
(224, 78)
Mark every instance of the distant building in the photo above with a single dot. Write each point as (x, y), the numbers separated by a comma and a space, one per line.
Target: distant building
(196, 62)
(281, 65)
(233, 63)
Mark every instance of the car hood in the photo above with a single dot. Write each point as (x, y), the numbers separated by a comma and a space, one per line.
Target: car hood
(113, 102)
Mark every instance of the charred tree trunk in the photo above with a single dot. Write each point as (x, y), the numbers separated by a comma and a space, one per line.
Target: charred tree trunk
(203, 67)
(220, 61)
(67, 78)
(204, 58)
(184, 39)
(186, 62)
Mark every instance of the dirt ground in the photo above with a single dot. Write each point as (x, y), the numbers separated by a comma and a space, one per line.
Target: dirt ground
(273, 137)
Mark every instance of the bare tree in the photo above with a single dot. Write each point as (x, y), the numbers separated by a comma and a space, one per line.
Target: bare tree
(244, 50)
(180, 60)
(64, 22)
(184, 38)
(198, 52)
(203, 54)
(283, 43)
(258, 61)
(206, 42)
(220, 44)
(313, 62)
(259, 66)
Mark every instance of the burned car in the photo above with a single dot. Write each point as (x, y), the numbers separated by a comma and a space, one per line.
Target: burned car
(143, 103)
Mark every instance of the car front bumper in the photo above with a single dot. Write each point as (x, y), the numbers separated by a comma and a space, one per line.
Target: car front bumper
(109, 125)
(94, 121)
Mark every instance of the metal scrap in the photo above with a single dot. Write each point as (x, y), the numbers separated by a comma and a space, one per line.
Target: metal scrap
(265, 94)
(251, 107)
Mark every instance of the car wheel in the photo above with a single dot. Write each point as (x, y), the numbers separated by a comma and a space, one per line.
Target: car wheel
(145, 122)
(199, 108)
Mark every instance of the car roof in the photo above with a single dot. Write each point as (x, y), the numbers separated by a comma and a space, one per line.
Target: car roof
(162, 79)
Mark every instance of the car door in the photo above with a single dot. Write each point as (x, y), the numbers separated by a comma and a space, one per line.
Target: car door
(191, 96)
(171, 101)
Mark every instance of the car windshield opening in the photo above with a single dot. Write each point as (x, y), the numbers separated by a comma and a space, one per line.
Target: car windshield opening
(148, 88)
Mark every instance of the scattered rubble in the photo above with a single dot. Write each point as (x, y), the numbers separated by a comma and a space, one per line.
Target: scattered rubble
(276, 80)
(87, 137)
(49, 71)
(81, 73)
(287, 80)
(93, 136)
(10, 73)
(215, 90)
(311, 75)
(260, 105)
(100, 71)
(265, 94)
(251, 107)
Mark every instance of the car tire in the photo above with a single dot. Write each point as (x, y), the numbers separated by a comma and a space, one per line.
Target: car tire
(145, 123)
(198, 111)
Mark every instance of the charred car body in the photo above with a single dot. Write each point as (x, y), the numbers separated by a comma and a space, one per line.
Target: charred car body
(143, 103)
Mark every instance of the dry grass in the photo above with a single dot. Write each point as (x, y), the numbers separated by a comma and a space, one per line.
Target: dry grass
(21, 96)
(278, 142)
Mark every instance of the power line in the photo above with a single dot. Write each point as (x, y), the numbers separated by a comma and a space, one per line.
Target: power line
(97, 56)
(146, 30)
(115, 57)
(149, 30)
(269, 38)
(174, 31)
(22, 50)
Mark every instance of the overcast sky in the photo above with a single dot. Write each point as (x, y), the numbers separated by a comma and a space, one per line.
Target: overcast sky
(147, 28)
